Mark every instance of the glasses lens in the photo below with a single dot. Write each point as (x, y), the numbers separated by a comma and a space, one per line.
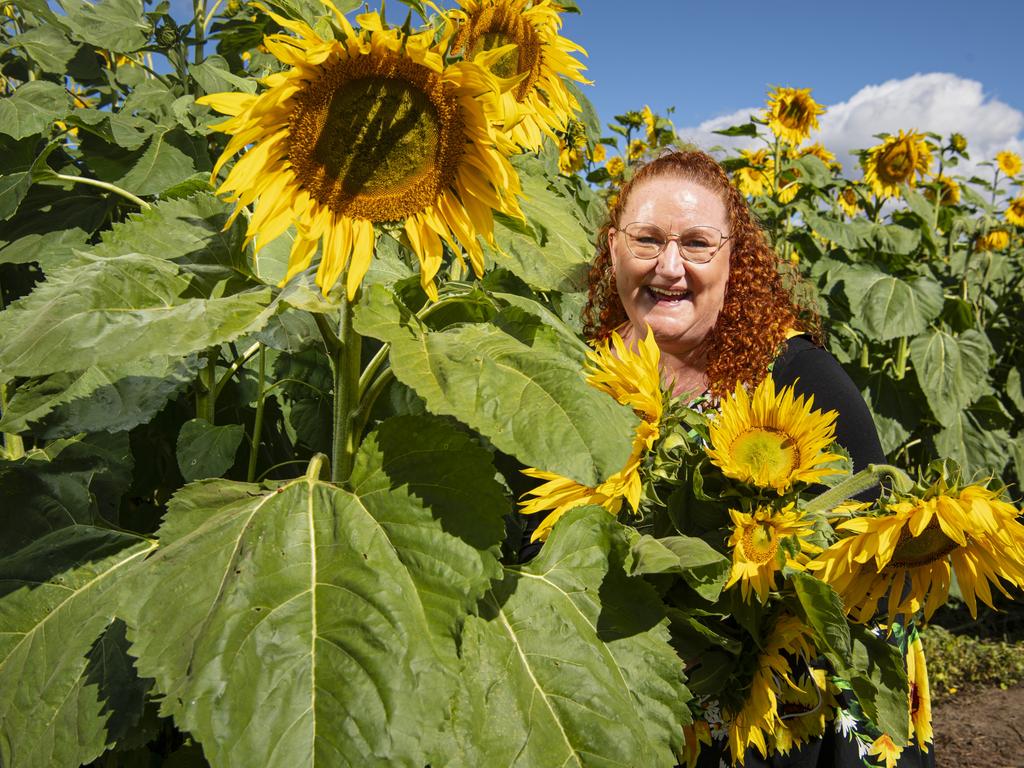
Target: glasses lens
(645, 241)
(700, 244)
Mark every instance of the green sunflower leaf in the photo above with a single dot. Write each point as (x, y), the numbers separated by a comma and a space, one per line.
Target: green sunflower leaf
(32, 108)
(46, 46)
(205, 450)
(100, 398)
(59, 704)
(169, 157)
(878, 677)
(50, 249)
(116, 25)
(111, 311)
(569, 662)
(887, 307)
(702, 567)
(304, 623)
(977, 446)
(952, 370)
(504, 388)
(865, 235)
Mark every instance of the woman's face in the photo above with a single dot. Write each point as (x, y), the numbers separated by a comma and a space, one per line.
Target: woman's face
(678, 299)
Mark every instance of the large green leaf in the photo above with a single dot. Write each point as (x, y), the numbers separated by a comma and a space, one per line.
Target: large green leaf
(169, 156)
(116, 25)
(878, 676)
(68, 483)
(32, 108)
(865, 235)
(569, 662)
(58, 595)
(305, 624)
(505, 388)
(952, 370)
(888, 307)
(50, 249)
(190, 232)
(979, 448)
(552, 250)
(896, 405)
(112, 311)
(100, 398)
(48, 47)
(824, 611)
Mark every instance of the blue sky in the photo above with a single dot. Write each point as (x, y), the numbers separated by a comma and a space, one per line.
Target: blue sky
(708, 58)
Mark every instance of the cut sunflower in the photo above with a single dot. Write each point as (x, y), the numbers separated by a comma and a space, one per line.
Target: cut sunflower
(538, 102)
(792, 113)
(758, 720)
(908, 553)
(1008, 162)
(771, 440)
(633, 379)
(373, 127)
(897, 160)
(757, 551)
(804, 709)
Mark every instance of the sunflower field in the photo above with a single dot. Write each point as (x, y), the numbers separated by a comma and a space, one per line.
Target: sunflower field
(290, 342)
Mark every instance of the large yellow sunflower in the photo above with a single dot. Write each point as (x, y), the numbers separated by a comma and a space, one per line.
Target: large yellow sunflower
(920, 695)
(1015, 213)
(539, 102)
(792, 113)
(1008, 162)
(771, 440)
(754, 179)
(373, 127)
(897, 160)
(757, 721)
(757, 551)
(908, 553)
(633, 378)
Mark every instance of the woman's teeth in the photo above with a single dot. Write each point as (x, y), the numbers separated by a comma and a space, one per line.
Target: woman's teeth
(661, 294)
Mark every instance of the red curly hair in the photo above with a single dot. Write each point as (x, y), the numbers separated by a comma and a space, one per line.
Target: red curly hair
(757, 311)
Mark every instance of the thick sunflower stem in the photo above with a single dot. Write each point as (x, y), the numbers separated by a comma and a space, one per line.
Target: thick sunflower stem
(13, 446)
(864, 480)
(346, 395)
(902, 352)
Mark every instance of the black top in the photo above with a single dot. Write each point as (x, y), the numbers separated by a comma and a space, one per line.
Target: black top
(814, 372)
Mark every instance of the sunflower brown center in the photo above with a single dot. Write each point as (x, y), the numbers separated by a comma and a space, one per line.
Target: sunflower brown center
(765, 452)
(376, 136)
(897, 164)
(493, 27)
(759, 545)
(794, 113)
(914, 551)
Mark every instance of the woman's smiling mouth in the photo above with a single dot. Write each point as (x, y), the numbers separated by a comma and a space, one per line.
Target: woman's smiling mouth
(667, 295)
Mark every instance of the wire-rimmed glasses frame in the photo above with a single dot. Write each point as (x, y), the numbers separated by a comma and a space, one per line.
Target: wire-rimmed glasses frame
(697, 245)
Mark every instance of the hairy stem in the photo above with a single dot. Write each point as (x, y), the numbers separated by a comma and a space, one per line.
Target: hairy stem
(102, 185)
(864, 480)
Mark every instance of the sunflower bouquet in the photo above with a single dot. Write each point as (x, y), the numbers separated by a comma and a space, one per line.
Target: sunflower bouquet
(791, 584)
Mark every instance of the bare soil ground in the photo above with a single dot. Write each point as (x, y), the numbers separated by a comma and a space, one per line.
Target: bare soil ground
(980, 729)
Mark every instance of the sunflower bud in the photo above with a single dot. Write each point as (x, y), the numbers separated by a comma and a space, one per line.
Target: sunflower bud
(958, 142)
(167, 34)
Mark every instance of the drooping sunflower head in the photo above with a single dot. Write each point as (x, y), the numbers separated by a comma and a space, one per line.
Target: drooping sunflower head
(948, 190)
(819, 151)
(849, 201)
(1015, 213)
(1008, 162)
(370, 128)
(650, 122)
(996, 240)
(898, 160)
(772, 440)
(758, 550)
(958, 143)
(804, 708)
(792, 114)
(539, 102)
(909, 551)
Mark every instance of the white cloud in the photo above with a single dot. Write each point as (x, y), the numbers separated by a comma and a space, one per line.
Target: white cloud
(937, 102)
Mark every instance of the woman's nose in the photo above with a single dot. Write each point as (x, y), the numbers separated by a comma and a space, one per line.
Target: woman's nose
(671, 261)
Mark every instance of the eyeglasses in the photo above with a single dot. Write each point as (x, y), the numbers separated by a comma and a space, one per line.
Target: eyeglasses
(697, 244)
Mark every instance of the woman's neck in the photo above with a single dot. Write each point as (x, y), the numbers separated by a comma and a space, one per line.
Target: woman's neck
(686, 370)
